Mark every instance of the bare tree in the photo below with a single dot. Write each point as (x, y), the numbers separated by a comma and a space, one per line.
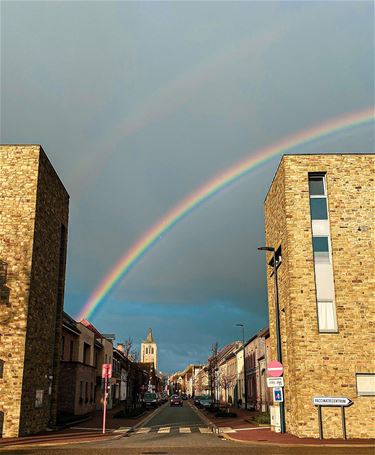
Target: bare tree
(134, 355)
(227, 381)
(128, 344)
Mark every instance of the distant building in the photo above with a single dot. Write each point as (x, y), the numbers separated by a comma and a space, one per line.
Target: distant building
(319, 217)
(33, 241)
(258, 394)
(149, 350)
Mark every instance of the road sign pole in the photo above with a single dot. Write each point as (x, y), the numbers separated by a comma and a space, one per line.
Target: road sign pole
(343, 422)
(320, 422)
(105, 403)
(278, 336)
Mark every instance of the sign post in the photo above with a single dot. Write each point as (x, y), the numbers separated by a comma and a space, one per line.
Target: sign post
(341, 402)
(106, 374)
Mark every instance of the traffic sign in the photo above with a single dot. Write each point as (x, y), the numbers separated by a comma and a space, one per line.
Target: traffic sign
(107, 370)
(275, 369)
(332, 401)
(278, 395)
(275, 382)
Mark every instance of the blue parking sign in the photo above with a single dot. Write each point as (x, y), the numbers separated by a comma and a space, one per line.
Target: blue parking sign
(278, 395)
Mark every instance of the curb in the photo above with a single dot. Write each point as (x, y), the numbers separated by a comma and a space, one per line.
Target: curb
(57, 443)
(215, 428)
(253, 422)
(285, 444)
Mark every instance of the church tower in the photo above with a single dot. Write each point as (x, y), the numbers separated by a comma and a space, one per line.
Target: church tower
(149, 350)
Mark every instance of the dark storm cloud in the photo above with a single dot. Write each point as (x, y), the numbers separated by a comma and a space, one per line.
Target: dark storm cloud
(139, 104)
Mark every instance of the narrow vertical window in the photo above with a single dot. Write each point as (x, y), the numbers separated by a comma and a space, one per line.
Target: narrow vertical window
(71, 350)
(321, 245)
(62, 347)
(318, 199)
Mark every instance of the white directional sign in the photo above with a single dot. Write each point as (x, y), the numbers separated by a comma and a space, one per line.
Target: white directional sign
(275, 382)
(332, 401)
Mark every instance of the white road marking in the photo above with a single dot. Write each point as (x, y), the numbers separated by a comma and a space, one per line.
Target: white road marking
(164, 430)
(226, 430)
(185, 430)
(205, 430)
(143, 430)
(122, 430)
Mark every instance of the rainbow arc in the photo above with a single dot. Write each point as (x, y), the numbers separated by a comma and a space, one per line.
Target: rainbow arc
(140, 248)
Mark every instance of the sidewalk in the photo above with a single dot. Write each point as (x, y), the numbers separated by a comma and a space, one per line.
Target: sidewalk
(239, 429)
(89, 430)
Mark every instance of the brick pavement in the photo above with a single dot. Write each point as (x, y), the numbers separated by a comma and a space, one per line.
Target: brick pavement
(241, 430)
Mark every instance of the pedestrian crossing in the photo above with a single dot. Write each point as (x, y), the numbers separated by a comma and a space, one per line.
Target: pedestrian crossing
(173, 430)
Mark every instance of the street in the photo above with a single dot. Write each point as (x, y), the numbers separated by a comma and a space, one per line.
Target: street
(180, 430)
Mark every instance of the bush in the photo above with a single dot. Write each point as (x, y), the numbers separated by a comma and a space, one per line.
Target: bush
(264, 417)
(225, 414)
(213, 408)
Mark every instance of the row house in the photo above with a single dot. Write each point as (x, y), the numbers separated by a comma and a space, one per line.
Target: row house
(222, 373)
(223, 376)
(256, 358)
(188, 381)
(78, 371)
(84, 351)
(201, 386)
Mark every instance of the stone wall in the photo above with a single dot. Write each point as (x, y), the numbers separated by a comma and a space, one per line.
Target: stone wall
(32, 245)
(325, 364)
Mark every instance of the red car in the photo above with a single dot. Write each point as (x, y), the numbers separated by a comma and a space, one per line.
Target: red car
(176, 401)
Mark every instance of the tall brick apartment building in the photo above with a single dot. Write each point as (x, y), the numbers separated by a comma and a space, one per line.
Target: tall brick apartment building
(319, 216)
(33, 239)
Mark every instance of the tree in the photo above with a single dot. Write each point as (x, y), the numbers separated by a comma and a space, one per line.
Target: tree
(128, 344)
(227, 381)
(134, 355)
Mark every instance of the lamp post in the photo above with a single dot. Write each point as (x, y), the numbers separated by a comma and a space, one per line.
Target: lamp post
(277, 317)
(244, 363)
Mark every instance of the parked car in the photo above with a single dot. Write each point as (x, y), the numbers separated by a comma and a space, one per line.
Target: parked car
(184, 396)
(150, 399)
(205, 401)
(164, 397)
(176, 401)
(197, 400)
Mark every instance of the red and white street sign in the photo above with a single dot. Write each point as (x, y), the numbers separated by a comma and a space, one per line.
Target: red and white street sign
(275, 369)
(107, 370)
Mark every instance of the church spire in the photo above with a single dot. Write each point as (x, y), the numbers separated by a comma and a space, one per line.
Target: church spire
(150, 338)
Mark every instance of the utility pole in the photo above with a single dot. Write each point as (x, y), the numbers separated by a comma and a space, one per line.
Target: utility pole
(244, 362)
(278, 335)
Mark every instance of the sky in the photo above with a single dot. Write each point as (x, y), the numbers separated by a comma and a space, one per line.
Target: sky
(138, 104)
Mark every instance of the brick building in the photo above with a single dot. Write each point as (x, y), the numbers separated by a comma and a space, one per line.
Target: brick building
(33, 239)
(319, 217)
(256, 359)
(78, 368)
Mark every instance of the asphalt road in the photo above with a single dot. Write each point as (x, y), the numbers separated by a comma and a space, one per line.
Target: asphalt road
(180, 431)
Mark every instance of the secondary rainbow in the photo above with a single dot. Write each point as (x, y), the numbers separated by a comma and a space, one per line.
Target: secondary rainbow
(136, 252)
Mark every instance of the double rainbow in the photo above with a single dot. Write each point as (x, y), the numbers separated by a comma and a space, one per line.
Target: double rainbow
(136, 252)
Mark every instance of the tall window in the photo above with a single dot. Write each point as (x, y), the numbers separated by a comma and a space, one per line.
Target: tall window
(321, 244)
(62, 347)
(71, 350)
(318, 198)
(86, 353)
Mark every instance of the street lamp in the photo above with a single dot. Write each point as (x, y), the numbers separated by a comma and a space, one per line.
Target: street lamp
(277, 316)
(244, 363)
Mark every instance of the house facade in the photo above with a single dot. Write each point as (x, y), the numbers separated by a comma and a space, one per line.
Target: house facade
(319, 218)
